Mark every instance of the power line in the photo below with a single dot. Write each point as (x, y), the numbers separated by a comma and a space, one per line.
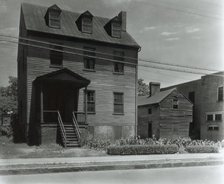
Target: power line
(107, 54)
(111, 60)
(184, 11)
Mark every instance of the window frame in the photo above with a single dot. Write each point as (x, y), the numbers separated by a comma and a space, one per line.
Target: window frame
(149, 110)
(91, 102)
(219, 95)
(54, 18)
(175, 105)
(56, 56)
(207, 115)
(213, 128)
(115, 103)
(89, 56)
(116, 29)
(118, 55)
(87, 27)
(216, 117)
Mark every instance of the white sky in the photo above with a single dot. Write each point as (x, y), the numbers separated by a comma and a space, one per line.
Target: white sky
(184, 32)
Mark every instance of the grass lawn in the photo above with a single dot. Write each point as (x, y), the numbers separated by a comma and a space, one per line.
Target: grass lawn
(8, 149)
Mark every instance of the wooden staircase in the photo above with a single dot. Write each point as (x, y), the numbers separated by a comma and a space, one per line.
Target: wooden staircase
(70, 133)
(71, 136)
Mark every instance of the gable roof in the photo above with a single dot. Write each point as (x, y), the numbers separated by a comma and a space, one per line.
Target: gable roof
(157, 98)
(62, 76)
(34, 21)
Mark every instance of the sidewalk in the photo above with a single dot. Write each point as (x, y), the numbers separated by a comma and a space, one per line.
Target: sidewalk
(47, 165)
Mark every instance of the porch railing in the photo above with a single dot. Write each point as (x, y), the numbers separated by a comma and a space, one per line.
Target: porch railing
(61, 125)
(75, 123)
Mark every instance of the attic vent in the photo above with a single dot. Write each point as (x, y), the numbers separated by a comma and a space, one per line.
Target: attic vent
(53, 17)
(84, 22)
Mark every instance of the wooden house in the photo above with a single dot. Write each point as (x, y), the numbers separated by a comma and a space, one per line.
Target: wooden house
(163, 114)
(77, 76)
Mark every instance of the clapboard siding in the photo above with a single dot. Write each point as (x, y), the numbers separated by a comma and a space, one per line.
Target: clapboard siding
(103, 81)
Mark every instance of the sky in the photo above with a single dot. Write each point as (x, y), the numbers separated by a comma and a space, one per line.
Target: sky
(179, 32)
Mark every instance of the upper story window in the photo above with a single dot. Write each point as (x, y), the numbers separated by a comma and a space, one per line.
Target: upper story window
(209, 117)
(89, 58)
(220, 93)
(116, 29)
(87, 25)
(149, 111)
(175, 103)
(218, 117)
(85, 22)
(56, 56)
(53, 17)
(118, 103)
(118, 67)
(90, 101)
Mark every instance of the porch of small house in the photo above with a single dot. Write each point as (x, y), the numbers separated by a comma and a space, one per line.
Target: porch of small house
(56, 108)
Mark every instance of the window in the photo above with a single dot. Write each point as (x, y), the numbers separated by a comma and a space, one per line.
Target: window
(87, 25)
(90, 101)
(54, 19)
(56, 56)
(220, 94)
(89, 62)
(116, 30)
(191, 96)
(119, 67)
(118, 103)
(218, 117)
(175, 103)
(213, 128)
(149, 111)
(209, 117)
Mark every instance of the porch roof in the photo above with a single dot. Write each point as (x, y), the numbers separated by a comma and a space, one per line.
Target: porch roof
(63, 76)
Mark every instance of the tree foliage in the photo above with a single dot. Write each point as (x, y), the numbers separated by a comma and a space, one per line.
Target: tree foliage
(8, 97)
(143, 88)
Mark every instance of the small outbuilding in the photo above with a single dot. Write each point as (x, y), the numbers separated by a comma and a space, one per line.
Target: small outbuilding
(164, 114)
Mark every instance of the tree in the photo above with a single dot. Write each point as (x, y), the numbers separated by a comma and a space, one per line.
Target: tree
(143, 88)
(8, 97)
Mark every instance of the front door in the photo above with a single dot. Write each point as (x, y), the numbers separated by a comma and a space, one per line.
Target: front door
(60, 99)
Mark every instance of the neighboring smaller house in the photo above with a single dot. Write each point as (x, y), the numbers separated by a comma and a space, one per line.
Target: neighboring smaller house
(164, 114)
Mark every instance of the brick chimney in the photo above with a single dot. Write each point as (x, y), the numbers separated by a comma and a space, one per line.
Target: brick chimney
(154, 87)
(123, 17)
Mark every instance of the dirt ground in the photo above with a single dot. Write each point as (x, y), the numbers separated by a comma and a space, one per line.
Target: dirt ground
(8, 149)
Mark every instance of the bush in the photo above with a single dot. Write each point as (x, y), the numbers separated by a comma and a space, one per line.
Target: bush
(142, 149)
(202, 149)
(98, 144)
(6, 131)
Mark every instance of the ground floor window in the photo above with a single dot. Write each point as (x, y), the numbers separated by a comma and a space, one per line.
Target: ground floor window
(90, 101)
(213, 127)
(118, 103)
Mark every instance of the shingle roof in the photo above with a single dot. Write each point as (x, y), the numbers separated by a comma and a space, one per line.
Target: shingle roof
(34, 21)
(157, 98)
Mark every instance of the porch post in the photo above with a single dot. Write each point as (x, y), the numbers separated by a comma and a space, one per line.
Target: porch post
(41, 105)
(85, 105)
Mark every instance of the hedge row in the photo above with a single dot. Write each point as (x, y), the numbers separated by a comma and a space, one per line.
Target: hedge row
(202, 149)
(142, 149)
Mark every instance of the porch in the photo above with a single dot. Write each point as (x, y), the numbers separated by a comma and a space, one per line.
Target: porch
(56, 107)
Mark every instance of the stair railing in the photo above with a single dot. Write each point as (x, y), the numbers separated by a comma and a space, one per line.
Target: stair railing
(75, 123)
(63, 133)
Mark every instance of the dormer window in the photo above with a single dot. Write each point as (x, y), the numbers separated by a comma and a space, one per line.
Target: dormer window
(86, 25)
(53, 17)
(116, 29)
(84, 22)
(116, 25)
